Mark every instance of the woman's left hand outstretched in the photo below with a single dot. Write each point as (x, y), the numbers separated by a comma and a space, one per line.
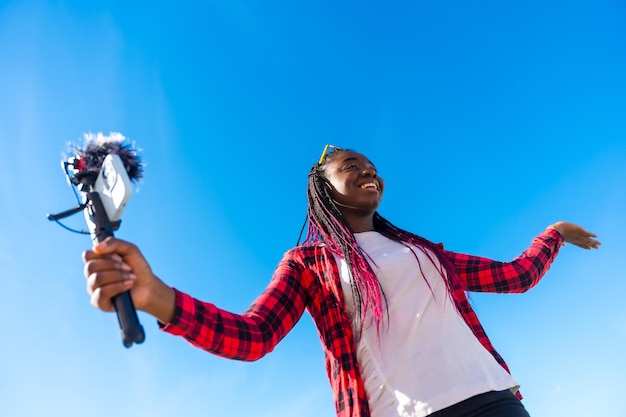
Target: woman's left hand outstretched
(576, 235)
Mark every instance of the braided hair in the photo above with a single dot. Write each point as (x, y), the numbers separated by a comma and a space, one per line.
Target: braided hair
(326, 224)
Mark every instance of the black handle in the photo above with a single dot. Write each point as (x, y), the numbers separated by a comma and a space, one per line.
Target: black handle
(131, 329)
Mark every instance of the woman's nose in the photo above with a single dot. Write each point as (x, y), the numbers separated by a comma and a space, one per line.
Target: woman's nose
(369, 172)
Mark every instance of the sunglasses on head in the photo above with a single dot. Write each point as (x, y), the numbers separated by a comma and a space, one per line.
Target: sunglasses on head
(325, 152)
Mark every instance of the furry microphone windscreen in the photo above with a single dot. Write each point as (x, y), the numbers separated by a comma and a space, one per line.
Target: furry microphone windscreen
(96, 147)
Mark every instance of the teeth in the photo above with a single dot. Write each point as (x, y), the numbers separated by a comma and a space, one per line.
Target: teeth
(370, 185)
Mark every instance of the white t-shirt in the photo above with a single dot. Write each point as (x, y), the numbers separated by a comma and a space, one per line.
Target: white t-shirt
(426, 357)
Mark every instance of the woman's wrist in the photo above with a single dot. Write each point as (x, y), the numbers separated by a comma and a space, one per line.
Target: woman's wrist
(162, 302)
(556, 227)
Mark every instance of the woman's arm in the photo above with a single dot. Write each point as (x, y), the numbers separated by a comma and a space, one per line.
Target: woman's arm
(115, 266)
(525, 271)
(248, 336)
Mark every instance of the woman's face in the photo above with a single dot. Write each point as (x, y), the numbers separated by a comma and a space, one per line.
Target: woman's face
(355, 184)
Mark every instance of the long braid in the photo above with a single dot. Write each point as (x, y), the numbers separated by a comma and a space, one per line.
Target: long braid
(327, 225)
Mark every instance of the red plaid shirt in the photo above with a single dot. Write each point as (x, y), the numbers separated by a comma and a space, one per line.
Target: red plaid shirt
(307, 278)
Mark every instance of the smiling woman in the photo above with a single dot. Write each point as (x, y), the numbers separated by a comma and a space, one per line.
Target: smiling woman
(355, 187)
(398, 333)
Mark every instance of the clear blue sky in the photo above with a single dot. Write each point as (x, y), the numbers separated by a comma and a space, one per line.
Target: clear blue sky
(489, 121)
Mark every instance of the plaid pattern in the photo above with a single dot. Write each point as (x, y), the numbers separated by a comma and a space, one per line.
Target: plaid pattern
(308, 278)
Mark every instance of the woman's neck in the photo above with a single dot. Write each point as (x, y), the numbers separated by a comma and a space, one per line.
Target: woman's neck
(360, 224)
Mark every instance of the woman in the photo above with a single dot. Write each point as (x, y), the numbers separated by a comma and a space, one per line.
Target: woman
(399, 336)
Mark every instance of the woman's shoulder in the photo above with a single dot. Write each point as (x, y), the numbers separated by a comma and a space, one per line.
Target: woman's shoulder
(307, 250)
(309, 255)
(312, 257)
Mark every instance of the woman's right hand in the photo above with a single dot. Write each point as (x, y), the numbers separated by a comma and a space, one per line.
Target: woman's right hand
(114, 266)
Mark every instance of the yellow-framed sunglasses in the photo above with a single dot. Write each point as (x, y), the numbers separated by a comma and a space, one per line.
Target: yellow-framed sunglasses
(325, 152)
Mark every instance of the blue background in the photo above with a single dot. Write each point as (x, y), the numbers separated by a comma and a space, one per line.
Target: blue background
(488, 120)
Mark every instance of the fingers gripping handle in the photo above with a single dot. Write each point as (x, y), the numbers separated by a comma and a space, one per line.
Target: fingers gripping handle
(101, 228)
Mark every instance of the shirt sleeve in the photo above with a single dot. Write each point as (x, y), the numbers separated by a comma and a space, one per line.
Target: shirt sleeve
(486, 275)
(248, 336)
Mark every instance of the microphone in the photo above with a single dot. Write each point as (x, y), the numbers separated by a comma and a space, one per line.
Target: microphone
(103, 170)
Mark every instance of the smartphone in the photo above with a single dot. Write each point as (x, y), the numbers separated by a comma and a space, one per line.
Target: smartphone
(114, 186)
